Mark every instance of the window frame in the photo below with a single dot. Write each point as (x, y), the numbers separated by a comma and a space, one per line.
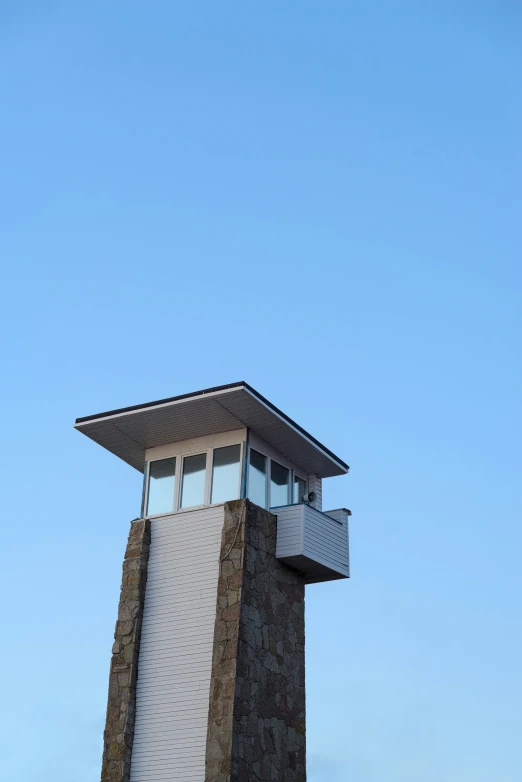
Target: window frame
(272, 456)
(289, 484)
(146, 491)
(267, 474)
(297, 477)
(247, 441)
(180, 458)
(211, 470)
(206, 454)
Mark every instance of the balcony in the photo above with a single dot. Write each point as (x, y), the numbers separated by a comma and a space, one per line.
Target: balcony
(313, 542)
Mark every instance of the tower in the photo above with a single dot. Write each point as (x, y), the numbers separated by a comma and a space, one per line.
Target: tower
(207, 671)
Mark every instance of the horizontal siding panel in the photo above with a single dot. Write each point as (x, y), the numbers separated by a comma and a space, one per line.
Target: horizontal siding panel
(197, 655)
(289, 526)
(169, 755)
(315, 543)
(143, 764)
(286, 553)
(163, 634)
(185, 620)
(312, 550)
(174, 772)
(155, 698)
(165, 592)
(184, 762)
(185, 674)
(166, 776)
(183, 548)
(189, 773)
(170, 603)
(158, 707)
(331, 540)
(183, 526)
(289, 533)
(340, 514)
(186, 561)
(165, 660)
(153, 746)
(311, 544)
(177, 764)
(176, 648)
(168, 758)
(184, 720)
(319, 554)
(325, 559)
(155, 701)
(168, 652)
(157, 671)
(164, 657)
(156, 741)
(154, 692)
(331, 531)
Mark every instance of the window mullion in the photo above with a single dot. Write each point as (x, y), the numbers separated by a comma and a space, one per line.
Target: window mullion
(177, 484)
(208, 476)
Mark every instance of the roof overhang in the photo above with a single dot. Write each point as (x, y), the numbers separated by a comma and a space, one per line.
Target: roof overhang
(128, 432)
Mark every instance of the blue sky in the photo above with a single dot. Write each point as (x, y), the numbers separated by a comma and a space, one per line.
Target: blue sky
(322, 199)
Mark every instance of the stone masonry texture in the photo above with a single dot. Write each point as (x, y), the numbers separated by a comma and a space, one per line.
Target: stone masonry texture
(256, 728)
(119, 726)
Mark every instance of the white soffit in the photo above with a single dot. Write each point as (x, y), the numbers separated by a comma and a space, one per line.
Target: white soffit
(129, 431)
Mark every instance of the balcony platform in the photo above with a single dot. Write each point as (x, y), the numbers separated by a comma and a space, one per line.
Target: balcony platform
(313, 542)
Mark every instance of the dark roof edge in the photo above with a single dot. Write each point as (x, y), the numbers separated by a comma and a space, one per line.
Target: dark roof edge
(157, 402)
(296, 426)
(213, 390)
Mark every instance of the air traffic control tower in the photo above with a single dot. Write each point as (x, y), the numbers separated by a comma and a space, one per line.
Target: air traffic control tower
(207, 677)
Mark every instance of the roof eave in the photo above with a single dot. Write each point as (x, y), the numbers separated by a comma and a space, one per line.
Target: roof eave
(85, 423)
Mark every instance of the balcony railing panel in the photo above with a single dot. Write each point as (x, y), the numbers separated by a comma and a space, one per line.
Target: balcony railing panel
(313, 542)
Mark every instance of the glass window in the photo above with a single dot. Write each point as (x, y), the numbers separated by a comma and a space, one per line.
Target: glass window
(299, 489)
(225, 474)
(279, 480)
(162, 477)
(257, 478)
(193, 484)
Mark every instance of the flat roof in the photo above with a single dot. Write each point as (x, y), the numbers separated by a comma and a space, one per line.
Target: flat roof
(129, 431)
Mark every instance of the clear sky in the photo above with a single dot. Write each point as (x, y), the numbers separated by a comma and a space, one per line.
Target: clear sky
(322, 199)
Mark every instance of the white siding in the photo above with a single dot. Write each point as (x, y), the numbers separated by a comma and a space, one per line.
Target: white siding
(325, 540)
(176, 647)
(340, 514)
(313, 542)
(289, 531)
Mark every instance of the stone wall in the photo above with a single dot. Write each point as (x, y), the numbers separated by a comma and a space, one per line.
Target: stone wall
(119, 726)
(256, 727)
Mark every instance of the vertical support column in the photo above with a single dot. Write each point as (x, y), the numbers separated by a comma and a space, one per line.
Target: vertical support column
(119, 726)
(256, 727)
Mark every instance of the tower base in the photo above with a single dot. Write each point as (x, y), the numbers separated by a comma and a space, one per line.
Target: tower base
(246, 661)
